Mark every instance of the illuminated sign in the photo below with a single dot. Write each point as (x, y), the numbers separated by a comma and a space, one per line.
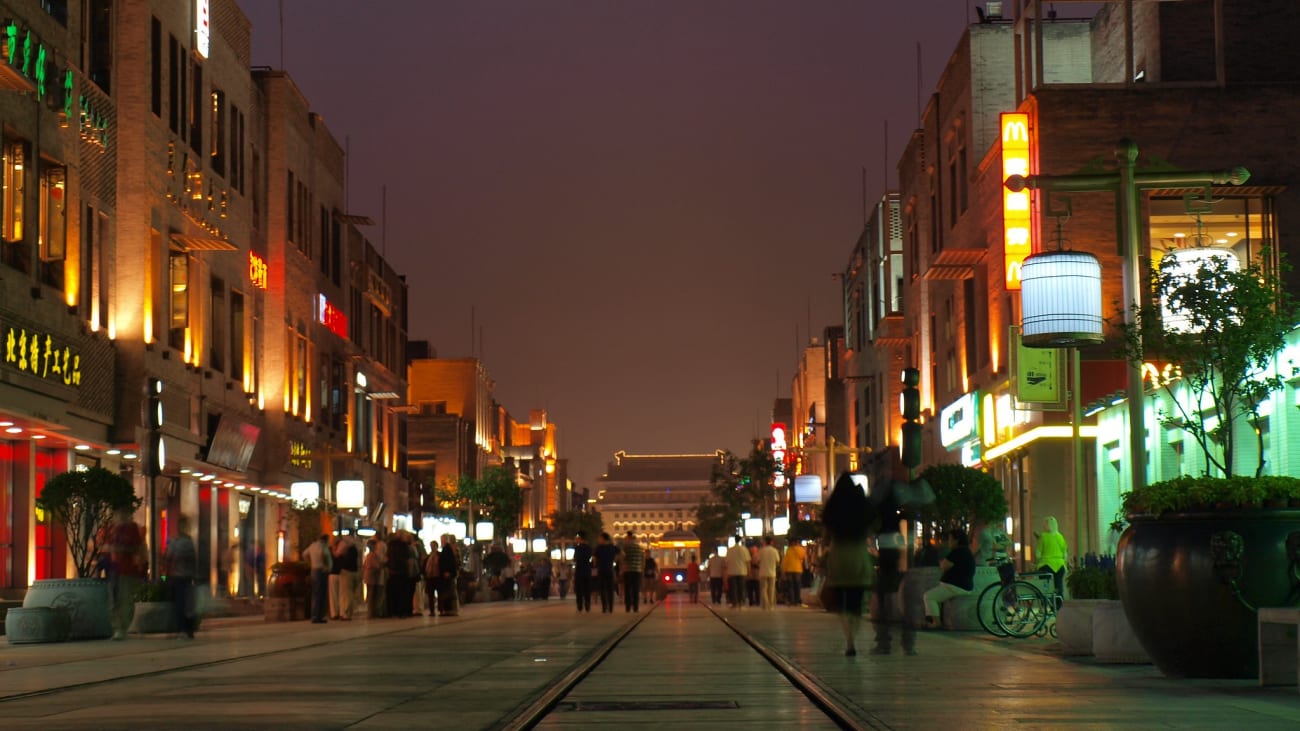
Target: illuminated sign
(299, 455)
(332, 318)
(1017, 223)
(36, 353)
(808, 489)
(257, 272)
(957, 420)
(778, 454)
(202, 28)
(27, 55)
(1158, 376)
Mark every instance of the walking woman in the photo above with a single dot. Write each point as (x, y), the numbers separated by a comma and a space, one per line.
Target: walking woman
(848, 564)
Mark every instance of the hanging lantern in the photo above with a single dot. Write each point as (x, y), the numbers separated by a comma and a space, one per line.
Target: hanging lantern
(1060, 300)
(1182, 265)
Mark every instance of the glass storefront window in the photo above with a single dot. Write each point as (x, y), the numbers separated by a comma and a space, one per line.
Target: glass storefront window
(1243, 225)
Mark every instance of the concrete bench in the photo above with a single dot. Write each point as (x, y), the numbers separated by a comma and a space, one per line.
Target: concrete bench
(961, 612)
(1279, 645)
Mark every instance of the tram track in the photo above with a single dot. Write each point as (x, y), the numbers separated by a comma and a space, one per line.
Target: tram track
(837, 709)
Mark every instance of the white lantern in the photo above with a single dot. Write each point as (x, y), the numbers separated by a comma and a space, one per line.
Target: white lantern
(483, 530)
(780, 525)
(1182, 265)
(753, 527)
(518, 545)
(808, 489)
(304, 492)
(457, 529)
(539, 545)
(1060, 299)
(351, 493)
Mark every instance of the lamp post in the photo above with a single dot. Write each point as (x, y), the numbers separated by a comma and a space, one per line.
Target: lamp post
(1126, 183)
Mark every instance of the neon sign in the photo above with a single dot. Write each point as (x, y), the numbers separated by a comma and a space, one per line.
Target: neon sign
(332, 318)
(202, 28)
(257, 271)
(1017, 224)
(778, 454)
(37, 353)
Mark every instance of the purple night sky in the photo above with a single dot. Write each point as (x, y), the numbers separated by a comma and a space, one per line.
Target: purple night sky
(640, 203)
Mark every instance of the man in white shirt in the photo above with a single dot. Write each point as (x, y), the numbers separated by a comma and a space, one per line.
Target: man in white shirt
(318, 555)
(769, 559)
(737, 571)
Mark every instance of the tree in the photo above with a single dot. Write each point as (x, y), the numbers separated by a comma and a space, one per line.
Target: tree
(495, 495)
(745, 485)
(715, 521)
(567, 523)
(1229, 324)
(83, 502)
(963, 497)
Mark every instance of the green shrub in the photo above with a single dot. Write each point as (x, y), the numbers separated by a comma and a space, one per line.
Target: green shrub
(1091, 582)
(1189, 493)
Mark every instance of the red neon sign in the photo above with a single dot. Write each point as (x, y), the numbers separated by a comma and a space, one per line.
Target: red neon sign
(257, 271)
(333, 318)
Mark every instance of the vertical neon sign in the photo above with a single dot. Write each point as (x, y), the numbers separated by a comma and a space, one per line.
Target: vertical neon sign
(1016, 212)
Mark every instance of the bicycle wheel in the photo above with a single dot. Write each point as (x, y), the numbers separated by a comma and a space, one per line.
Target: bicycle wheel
(986, 608)
(1026, 612)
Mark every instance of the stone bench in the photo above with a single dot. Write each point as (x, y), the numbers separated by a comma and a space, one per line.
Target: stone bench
(961, 612)
(25, 625)
(1279, 645)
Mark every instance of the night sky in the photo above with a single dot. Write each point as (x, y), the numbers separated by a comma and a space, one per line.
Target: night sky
(638, 203)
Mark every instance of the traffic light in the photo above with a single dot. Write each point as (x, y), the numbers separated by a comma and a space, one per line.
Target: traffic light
(154, 418)
(909, 403)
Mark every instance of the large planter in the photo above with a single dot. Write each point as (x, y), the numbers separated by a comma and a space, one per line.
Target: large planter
(153, 618)
(86, 601)
(1185, 579)
(1113, 640)
(26, 625)
(288, 592)
(1074, 625)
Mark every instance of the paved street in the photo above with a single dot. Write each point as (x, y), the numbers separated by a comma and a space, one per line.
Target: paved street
(678, 666)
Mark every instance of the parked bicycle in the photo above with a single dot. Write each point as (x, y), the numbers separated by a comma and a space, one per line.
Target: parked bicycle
(1020, 606)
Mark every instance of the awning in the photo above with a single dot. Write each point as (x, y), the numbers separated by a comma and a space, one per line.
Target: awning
(202, 243)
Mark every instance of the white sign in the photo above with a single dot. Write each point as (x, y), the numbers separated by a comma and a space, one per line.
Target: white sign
(808, 489)
(351, 493)
(957, 420)
(202, 28)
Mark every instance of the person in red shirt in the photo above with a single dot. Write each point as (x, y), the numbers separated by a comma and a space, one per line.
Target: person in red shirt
(127, 568)
(693, 579)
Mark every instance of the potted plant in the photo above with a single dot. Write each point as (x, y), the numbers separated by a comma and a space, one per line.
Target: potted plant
(1201, 553)
(83, 501)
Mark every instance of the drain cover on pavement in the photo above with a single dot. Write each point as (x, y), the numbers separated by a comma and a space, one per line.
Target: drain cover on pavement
(645, 705)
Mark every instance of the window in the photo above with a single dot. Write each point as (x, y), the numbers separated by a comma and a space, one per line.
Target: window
(197, 107)
(237, 336)
(174, 89)
(236, 149)
(217, 325)
(178, 280)
(58, 9)
(155, 67)
(218, 125)
(53, 221)
(325, 247)
(97, 42)
(291, 191)
(15, 188)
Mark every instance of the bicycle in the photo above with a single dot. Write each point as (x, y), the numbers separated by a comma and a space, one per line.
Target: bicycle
(1019, 606)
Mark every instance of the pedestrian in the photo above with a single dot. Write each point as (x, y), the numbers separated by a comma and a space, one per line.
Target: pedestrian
(792, 569)
(890, 546)
(373, 575)
(582, 573)
(182, 561)
(256, 560)
(542, 579)
(737, 572)
(346, 557)
(448, 572)
(431, 573)
(416, 574)
(769, 560)
(1052, 553)
(632, 563)
(693, 579)
(717, 568)
(751, 579)
(318, 556)
(847, 561)
(958, 576)
(335, 567)
(605, 553)
(399, 560)
(563, 576)
(128, 564)
(650, 579)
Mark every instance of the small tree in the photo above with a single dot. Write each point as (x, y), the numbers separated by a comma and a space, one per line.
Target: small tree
(83, 502)
(1234, 322)
(497, 495)
(963, 497)
(566, 524)
(715, 520)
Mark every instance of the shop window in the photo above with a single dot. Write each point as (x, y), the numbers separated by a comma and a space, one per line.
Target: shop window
(15, 189)
(216, 335)
(53, 225)
(178, 298)
(237, 349)
(218, 125)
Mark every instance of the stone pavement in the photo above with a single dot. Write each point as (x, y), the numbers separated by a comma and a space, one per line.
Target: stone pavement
(678, 666)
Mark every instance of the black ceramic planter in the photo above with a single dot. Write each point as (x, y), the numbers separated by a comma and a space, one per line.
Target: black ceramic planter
(1185, 581)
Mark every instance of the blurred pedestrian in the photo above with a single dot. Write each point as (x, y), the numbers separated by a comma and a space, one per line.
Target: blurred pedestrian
(737, 572)
(632, 563)
(335, 567)
(346, 558)
(958, 576)
(650, 579)
(128, 567)
(373, 576)
(397, 591)
(448, 572)
(769, 559)
(890, 498)
(563, 576)
(847, 561)
(606, 552)
(1051, 553)
(431, 576)
(792, 570)
(751, 578)
(582, 573)
(318, 556)
(182, 561)
(717, 567)
(693, 579)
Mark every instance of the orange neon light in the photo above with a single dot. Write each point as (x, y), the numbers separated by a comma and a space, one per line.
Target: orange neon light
(257, 270)
(1017, 225)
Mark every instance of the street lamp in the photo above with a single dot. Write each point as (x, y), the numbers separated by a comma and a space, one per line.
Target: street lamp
(1125, 183)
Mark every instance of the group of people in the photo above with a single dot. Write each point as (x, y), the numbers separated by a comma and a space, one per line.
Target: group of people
(392, 572)
(124, 561)
(751, 575)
